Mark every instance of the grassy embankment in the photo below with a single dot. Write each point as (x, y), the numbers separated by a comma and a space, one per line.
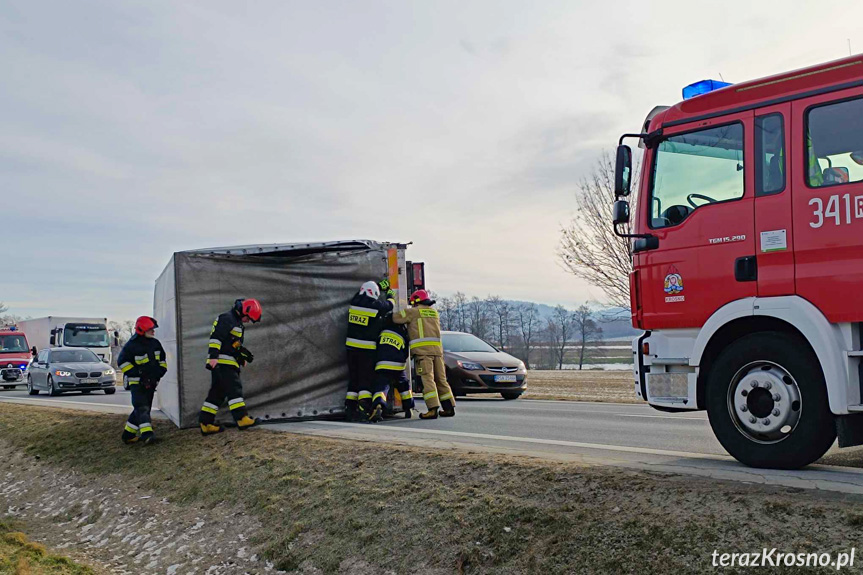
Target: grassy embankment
(19, 556)
(325, 501)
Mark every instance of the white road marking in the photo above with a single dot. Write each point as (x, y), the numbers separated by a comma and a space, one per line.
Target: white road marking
(60, 401)
(516, 439)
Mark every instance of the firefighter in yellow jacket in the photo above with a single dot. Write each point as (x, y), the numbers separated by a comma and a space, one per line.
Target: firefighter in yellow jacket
(424, 332)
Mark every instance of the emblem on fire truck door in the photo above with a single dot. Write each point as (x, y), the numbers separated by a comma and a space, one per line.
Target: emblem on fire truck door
(673, 286)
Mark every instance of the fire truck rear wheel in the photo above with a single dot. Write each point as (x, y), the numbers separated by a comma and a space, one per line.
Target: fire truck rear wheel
(767, 402)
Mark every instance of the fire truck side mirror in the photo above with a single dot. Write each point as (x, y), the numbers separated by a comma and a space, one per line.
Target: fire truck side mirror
(620, 213)
(623, 171)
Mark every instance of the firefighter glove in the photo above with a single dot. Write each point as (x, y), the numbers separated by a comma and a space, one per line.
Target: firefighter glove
(384, 285)
(246, 355)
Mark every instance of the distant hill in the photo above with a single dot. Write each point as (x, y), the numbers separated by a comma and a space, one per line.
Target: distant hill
(616, 322)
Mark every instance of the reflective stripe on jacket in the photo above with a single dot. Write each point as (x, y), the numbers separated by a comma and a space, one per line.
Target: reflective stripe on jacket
(423, 329)
(226, 338)
(364, 321)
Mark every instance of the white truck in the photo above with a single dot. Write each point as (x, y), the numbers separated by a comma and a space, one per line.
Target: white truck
(54, 331)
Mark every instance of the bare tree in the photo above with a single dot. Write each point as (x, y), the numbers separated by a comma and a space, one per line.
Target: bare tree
(501, 311)
(527, 318)
(460, 311)
(8, 318)
(586, 330)
(445, 310)
(478, 315)
(588, 247)
(561, 327)
(124, 329)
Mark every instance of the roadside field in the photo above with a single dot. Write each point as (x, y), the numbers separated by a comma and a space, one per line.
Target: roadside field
(326, 505)
(20, 556)
(584, 385)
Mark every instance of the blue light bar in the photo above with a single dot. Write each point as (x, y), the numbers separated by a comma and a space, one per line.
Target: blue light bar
(702, 87)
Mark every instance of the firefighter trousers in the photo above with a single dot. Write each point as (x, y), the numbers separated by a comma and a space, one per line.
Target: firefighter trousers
(142, 402)
(225, 384)
(432, 371)
(386, 379)
(361, 371)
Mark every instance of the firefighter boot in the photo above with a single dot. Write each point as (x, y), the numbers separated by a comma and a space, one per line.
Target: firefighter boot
(148, 438)
(128, 437)
(246, 422)
(211, 429)
(376, 414)
(447, 408)
(430, 414)
(408, 412)
(351, 413)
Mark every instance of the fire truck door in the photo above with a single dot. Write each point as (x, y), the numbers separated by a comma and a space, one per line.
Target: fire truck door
(699, 205)
(827, 192)
(773, 174)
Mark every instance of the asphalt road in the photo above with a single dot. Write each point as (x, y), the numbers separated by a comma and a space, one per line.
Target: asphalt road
(624, 435)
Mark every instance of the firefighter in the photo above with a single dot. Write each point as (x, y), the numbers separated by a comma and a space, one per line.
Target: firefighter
(226, 356)
(364, 325)
(392, 357)
(143, 363)
(424, 330)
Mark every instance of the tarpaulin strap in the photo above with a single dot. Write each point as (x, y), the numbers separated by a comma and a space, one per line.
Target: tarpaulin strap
(141, 359)
(236, 403)
(360, 344)
(210, 408)
(407, 394)
(446, 396)
(124, 367)
(393, 365)
(215, 344)
(429, 395)
(365, 395)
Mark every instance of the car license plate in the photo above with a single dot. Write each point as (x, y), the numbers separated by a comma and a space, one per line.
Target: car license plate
(89, 381)
(505, 379)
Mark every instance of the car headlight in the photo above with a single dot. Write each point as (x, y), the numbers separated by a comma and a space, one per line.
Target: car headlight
(470, 366)
(109, 371)
(63, 373)
(521, 366)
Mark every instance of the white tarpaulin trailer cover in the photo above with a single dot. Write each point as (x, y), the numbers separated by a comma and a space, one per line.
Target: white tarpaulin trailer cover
(299, 370)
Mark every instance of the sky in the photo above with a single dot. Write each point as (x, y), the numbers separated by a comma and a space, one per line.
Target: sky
(131, 130)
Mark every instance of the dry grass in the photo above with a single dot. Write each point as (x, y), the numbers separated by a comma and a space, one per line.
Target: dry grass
(20, 556)
(329, 503)
(585, 385)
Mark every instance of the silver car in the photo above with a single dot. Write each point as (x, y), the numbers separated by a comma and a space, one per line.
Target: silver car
(57, 370)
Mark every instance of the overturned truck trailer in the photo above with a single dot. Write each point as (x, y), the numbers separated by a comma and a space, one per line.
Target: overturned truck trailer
(299, 369)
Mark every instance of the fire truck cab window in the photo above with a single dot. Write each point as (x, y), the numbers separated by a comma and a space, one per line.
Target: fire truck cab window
(769, 155)
(696, 169)
(835, 143)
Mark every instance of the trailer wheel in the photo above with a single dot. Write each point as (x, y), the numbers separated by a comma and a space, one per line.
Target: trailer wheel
(767, 402)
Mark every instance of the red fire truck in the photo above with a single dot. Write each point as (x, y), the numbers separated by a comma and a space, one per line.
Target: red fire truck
(747, 260)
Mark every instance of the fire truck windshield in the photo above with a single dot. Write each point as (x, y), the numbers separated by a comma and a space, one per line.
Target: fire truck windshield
(695, 169)
(13, 344)
(85, 335)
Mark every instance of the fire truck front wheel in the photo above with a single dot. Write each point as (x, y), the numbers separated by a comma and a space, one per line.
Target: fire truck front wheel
(767, 402)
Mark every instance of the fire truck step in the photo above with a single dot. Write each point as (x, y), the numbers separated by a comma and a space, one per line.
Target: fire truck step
(855, 408)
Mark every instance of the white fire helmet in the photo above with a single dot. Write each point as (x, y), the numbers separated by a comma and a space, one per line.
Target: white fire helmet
(371, 289)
